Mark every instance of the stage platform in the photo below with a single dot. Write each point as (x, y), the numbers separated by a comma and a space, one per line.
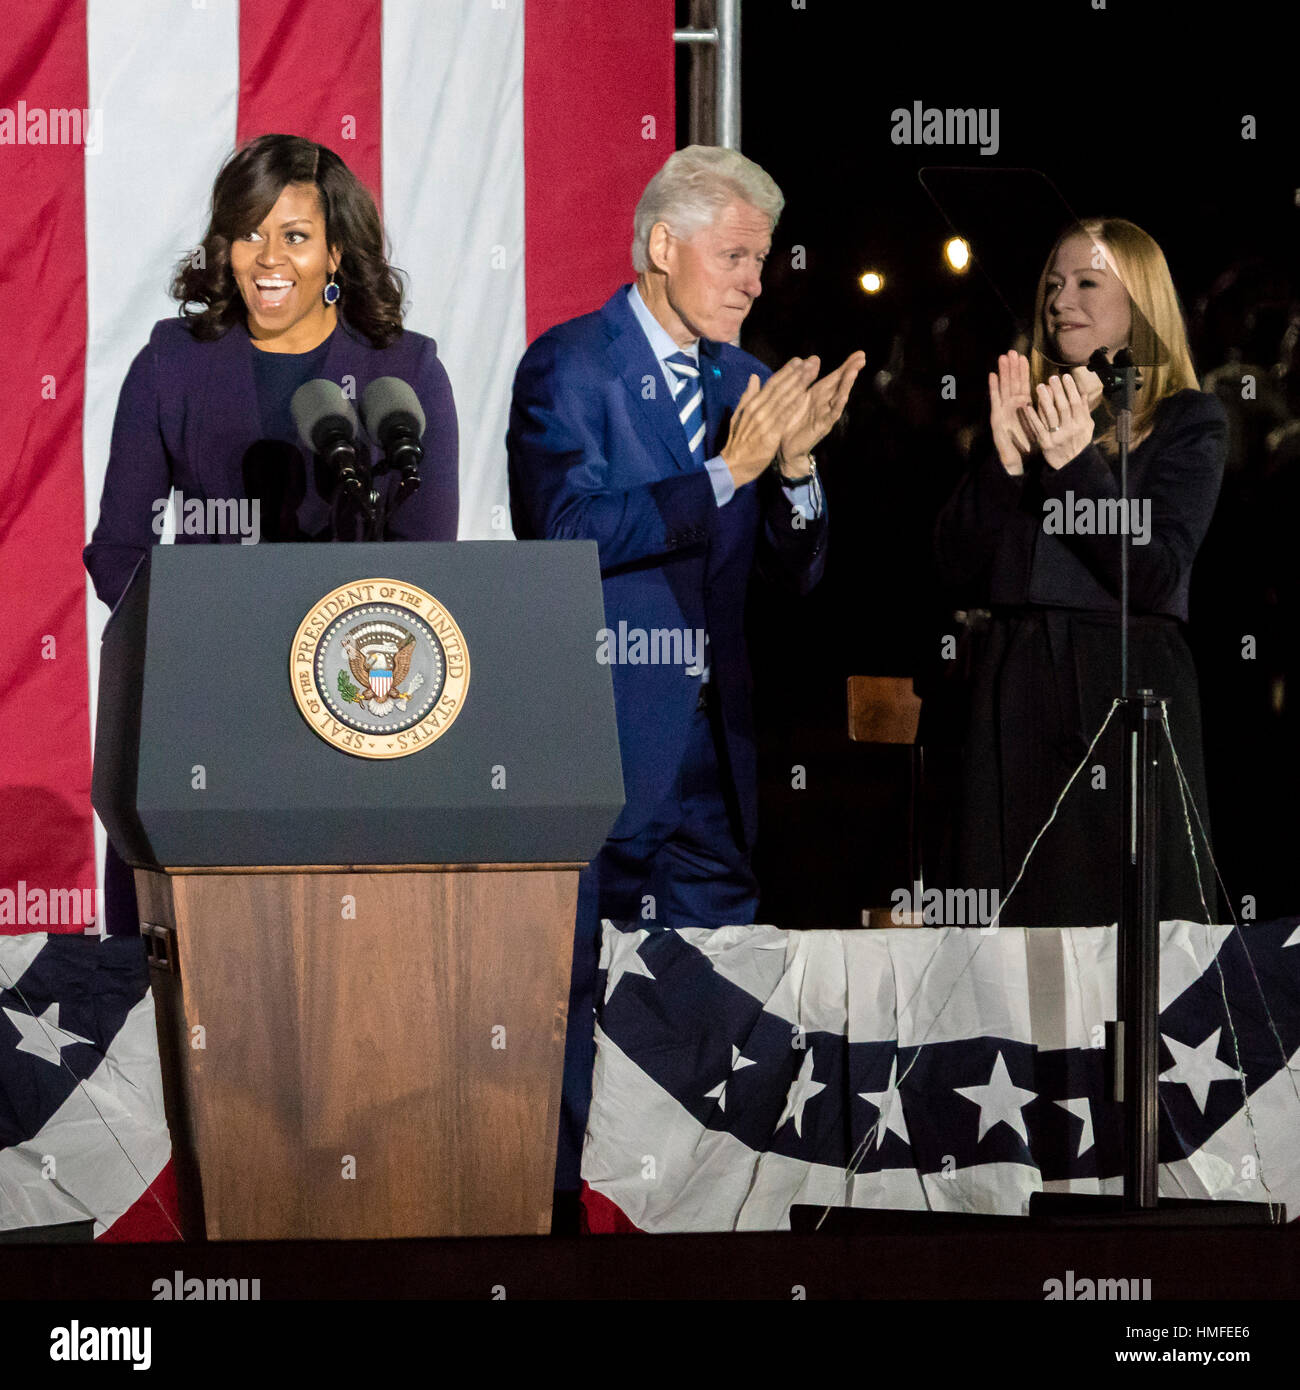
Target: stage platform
(914, 1257)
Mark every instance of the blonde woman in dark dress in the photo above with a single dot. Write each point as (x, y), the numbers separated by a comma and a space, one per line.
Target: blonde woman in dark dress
(1033, 532)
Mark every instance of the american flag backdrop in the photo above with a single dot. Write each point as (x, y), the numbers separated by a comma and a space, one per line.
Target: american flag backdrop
(506, 143)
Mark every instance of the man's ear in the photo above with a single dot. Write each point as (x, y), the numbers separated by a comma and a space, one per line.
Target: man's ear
(659, 247)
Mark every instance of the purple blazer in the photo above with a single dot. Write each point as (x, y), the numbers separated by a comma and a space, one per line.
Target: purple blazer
(188, 415)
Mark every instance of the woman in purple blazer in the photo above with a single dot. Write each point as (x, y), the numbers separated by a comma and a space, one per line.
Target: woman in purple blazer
(290, 283)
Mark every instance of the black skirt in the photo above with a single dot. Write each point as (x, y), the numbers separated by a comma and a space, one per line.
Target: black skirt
(1043, 682)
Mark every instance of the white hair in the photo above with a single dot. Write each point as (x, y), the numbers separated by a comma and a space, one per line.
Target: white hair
(693, 187)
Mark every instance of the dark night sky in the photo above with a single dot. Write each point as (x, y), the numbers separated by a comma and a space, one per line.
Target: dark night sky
(1116, 132)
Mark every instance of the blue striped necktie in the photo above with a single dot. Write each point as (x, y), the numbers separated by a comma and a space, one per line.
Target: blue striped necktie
(688, 396)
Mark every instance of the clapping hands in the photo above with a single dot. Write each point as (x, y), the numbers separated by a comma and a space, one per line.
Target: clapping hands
(818, 410)
(792, 413)
(1060, 426)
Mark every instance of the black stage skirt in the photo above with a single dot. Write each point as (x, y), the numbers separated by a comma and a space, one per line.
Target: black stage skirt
(1043, 682)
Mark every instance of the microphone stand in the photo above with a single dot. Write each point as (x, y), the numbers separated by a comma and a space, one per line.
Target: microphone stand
(402, 453)
(352, 477)
(375, 516)
(374, 512)
(1133, 1040)
(357, 483)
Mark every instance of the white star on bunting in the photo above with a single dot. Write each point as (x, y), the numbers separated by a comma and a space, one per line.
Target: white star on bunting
(42, 1036)
(719, 1092)
(890, 1104)
(999, 1101)
(1198, 1067)
(802, 1089)
(625, 959)
(1079, 1107)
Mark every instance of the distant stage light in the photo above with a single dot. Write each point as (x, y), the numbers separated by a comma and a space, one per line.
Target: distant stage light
(957, 253)
(872, 281)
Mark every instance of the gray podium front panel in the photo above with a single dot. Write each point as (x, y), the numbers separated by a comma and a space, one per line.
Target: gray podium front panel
(195, 675)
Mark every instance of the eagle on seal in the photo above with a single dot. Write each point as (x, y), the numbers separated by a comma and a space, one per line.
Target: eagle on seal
(361, 664)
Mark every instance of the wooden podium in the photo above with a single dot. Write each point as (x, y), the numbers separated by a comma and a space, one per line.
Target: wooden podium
(358, 1049)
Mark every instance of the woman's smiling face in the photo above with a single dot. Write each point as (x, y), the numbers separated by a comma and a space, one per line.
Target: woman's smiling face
(281, 269)
(1085, 306)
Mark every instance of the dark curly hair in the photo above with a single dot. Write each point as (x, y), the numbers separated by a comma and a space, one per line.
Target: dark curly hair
(246, 189)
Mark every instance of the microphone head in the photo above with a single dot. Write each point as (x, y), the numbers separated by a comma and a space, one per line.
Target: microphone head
(387, 396)
(316, 402)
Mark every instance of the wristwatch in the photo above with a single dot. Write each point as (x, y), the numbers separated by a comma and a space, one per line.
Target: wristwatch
(794, 482)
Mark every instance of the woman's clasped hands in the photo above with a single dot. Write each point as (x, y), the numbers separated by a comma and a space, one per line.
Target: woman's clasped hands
(1060, 426)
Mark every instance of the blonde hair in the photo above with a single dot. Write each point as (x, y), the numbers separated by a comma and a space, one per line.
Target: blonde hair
(1158, 336)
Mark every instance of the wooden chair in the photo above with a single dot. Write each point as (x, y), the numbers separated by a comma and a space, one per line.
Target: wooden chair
(886, 710)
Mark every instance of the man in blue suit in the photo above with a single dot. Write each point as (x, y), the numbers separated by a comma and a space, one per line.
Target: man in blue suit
(689, 463)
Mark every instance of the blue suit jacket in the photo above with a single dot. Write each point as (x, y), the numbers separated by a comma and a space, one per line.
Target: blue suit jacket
(597, 452)
(188, 414)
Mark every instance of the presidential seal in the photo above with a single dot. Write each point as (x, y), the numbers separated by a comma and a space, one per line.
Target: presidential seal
(379, 668)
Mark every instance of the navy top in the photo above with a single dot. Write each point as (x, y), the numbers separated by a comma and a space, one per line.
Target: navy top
(278, 471)
(211, 419)
(278, 375)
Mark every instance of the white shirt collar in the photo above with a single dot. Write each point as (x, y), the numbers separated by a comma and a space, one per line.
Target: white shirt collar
(661, 342)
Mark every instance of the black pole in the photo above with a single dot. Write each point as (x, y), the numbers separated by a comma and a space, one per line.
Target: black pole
(1134, 1042)
(1138, 993)
(1137, 981)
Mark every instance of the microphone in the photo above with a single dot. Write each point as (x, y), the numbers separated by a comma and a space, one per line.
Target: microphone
(328, 425)
(1119, 378)
(395, 421)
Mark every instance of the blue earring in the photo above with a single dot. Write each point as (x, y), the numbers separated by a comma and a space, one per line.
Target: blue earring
(331, 291)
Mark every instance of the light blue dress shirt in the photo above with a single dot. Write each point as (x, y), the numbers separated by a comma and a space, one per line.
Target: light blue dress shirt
(805, 498)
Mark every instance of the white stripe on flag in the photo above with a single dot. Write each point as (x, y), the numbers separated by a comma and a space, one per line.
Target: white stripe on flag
(454, 211)
(1216, 1168)
(167, 80)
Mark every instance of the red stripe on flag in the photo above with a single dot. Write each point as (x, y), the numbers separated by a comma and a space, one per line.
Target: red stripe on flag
(45, 828)
(598, 81)
(600, 1216)
(315, 70)
(154, 1215)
